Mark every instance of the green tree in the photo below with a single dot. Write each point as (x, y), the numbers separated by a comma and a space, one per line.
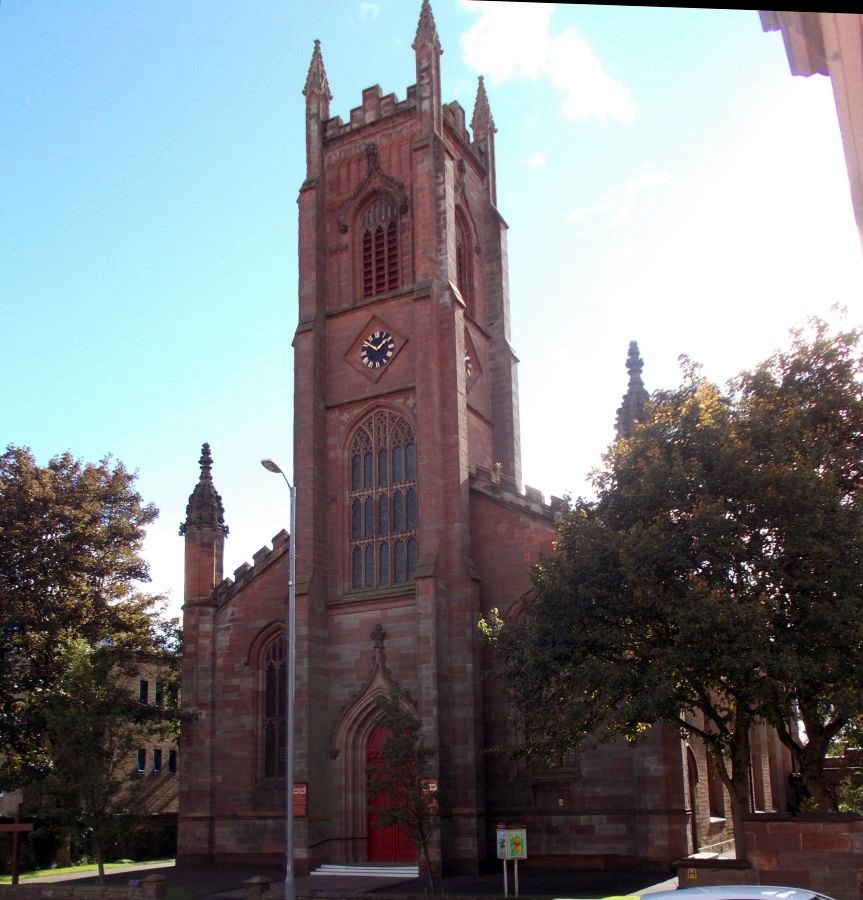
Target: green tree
(717, 578)
(71, 535)
(413, 799)
(802, 414)
(92, 729)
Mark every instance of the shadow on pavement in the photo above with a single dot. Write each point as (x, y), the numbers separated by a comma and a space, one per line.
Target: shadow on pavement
(204, 882)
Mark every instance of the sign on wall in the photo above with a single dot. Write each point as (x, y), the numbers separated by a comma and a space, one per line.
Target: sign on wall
(301, 800)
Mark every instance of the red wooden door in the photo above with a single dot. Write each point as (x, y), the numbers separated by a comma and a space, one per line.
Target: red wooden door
(389, 844)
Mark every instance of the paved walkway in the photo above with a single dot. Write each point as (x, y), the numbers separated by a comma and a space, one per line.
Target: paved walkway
(220, 882)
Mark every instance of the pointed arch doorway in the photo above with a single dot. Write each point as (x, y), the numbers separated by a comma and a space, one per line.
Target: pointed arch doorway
(388, 843)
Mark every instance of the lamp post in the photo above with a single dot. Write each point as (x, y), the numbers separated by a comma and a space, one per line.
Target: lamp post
(290, 890)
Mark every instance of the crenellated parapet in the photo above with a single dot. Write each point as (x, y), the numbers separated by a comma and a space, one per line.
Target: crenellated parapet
(422, 102)
(262, 559)
(503, 489)
(377, 107)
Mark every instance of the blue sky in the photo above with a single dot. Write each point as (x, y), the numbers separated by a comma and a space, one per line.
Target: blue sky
(663, 175)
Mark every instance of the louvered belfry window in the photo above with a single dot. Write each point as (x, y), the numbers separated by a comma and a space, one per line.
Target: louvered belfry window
(380, 247)
(382, 504)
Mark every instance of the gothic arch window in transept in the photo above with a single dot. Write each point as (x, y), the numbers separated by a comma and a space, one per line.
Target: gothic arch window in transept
(379, 229)
(463, 267)
(273, 672)
(382, 503)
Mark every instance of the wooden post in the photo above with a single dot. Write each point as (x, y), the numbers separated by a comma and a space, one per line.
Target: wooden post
(18, 828)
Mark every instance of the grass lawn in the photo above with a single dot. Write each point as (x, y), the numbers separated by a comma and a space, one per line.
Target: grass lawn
(68, 870)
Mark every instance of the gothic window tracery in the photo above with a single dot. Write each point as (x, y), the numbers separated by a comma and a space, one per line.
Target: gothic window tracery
(382, 502)
(380, 247)
(273, 674)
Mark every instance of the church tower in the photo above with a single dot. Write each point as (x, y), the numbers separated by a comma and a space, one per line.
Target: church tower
(405, 383)
(410, 518)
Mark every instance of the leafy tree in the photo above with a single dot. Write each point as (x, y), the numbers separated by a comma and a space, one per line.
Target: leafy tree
(70, 540)
(92, 728)
(803, 416)
(412, 800)
(717, 578)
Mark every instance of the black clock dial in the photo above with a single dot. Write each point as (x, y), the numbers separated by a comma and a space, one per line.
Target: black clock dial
(377, 349)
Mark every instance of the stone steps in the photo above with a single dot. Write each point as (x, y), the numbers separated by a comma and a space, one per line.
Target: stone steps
(368, 871)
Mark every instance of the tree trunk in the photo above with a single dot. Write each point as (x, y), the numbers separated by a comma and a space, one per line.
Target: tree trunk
(431, 878)
(100, 860)
(812, 771)
(811, 755)
(737, 781)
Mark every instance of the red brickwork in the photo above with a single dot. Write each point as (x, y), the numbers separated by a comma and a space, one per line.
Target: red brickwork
(820, 851)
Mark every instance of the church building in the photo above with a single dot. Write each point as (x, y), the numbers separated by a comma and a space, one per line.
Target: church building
(413, 524)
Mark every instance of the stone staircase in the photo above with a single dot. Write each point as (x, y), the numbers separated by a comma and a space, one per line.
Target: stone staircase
(369, 870)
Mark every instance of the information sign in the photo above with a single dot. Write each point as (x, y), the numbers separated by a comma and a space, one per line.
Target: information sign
(301, 800)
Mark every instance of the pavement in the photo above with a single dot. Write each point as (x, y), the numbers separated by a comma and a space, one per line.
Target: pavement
(220, 882)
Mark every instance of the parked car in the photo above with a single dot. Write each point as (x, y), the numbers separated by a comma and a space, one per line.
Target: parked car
(735, 892)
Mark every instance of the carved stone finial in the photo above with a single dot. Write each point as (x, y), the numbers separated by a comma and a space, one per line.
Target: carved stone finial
(482, 119)
(635, 399)
(206, 462)
(204, 509)
(426, 29)
(316, 80)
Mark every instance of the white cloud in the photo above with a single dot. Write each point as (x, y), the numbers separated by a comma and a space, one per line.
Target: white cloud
(514, 41)
(369, 10)
(537, 160)
(583, 212)
(620, 202)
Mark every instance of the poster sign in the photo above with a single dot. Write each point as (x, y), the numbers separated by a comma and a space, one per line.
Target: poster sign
(511, 841)
(516, 843)
(301, 800)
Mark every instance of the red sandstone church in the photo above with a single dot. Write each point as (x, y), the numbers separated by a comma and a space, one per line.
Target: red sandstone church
(407, 462)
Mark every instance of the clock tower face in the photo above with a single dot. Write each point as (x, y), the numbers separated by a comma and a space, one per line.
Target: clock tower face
(377, 349)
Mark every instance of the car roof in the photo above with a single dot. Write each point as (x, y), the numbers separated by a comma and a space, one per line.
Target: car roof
(737, 892)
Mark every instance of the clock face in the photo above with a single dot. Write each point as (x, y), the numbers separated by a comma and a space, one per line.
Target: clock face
(377, 349)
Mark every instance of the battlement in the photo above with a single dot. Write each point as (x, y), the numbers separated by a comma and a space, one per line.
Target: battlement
(504, 489)
(261, 559)
(377, 106)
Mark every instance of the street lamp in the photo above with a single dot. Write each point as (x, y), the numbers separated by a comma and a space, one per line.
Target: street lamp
(290, 889)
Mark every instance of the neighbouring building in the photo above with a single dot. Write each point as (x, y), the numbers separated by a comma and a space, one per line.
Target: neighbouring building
(407, 466)
(830, 43)
(155, 767)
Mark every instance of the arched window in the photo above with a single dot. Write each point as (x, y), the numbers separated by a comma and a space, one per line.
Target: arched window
(382, 504)
(463, 263)
(273, 718)
(380, 247)
(715, 790)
